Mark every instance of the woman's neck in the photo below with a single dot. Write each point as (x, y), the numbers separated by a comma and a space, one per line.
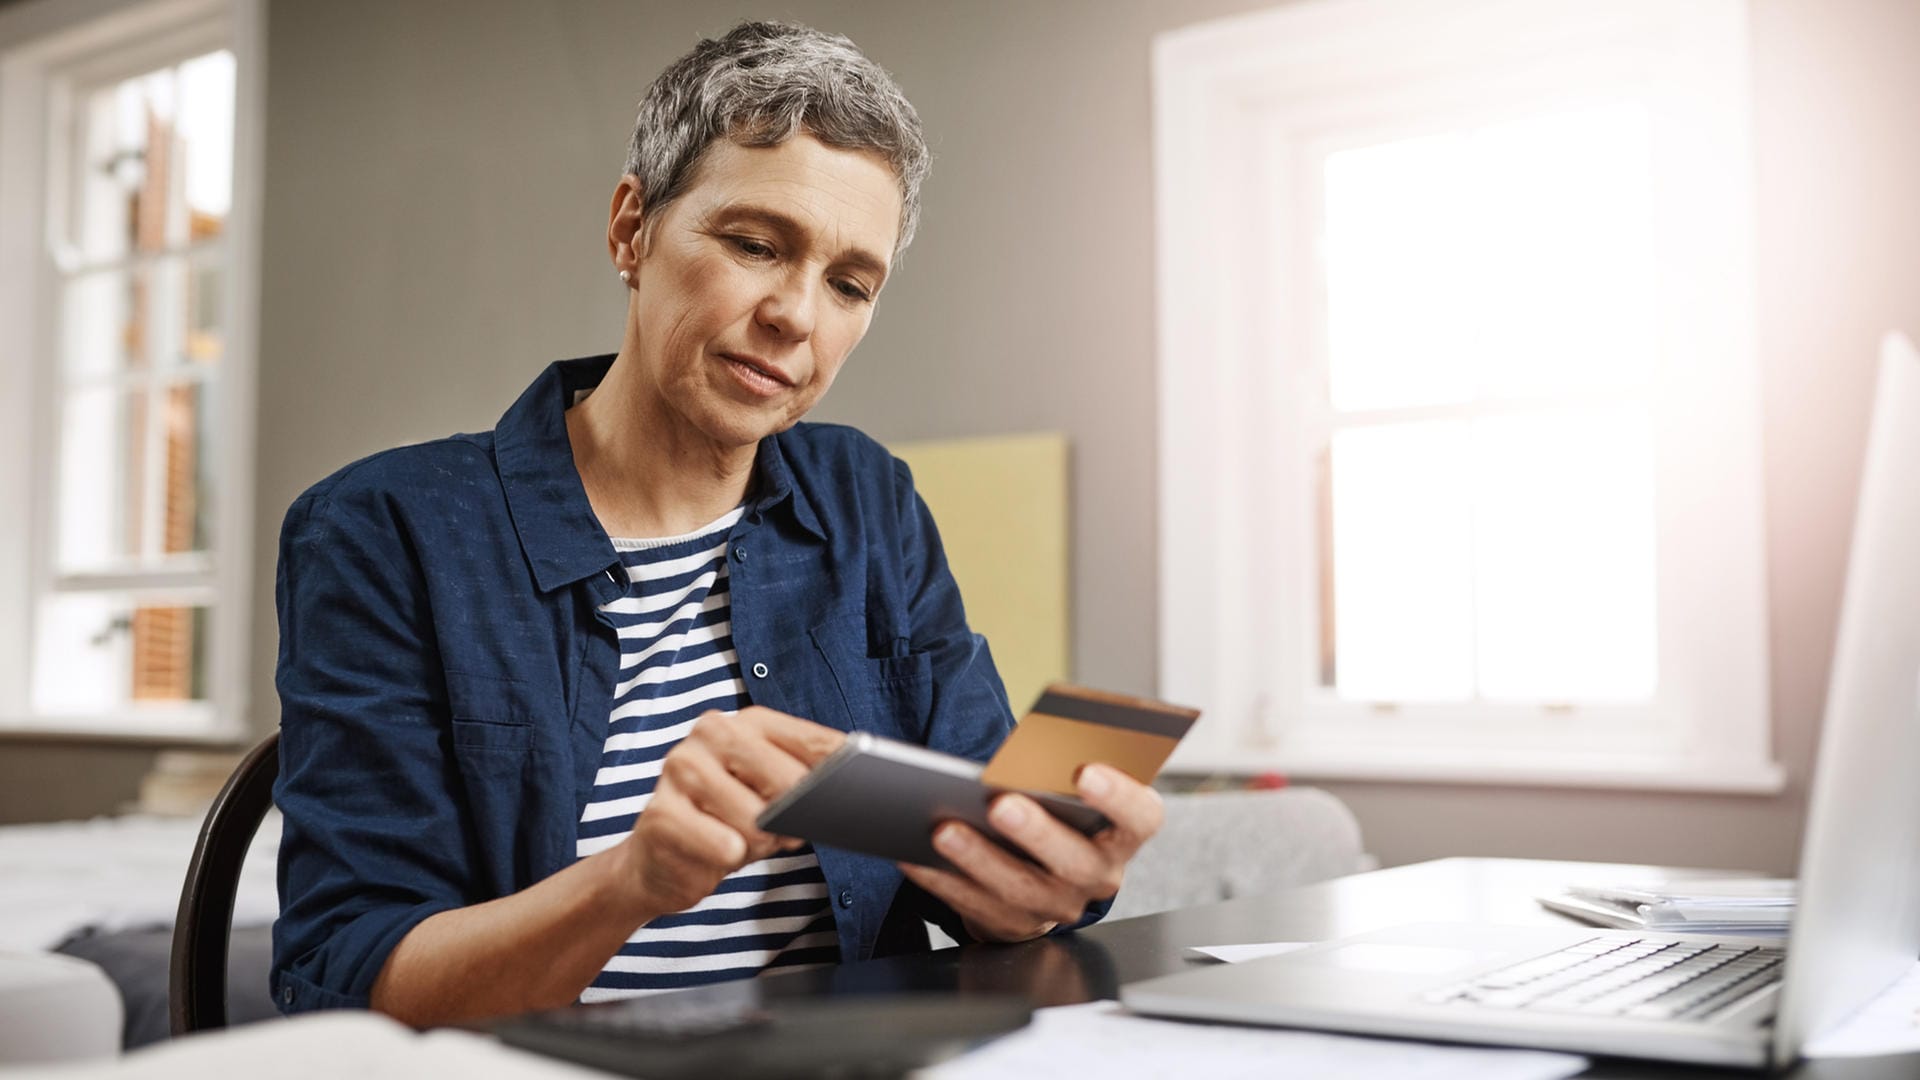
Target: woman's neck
(647, 471)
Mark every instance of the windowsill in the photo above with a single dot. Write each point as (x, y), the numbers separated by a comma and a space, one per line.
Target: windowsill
(1630, 774)
(187, 729)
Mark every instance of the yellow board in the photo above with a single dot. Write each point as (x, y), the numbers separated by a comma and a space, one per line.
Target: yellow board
(1001, 505)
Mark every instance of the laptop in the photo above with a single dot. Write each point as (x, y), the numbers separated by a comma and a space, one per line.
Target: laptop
(1733, 1001)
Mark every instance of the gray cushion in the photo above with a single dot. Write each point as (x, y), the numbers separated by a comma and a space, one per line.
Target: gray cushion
(1219, 845)
(136, 961)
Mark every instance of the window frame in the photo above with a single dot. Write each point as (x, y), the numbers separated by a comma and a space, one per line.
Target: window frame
(49, 58)
(1244, 109)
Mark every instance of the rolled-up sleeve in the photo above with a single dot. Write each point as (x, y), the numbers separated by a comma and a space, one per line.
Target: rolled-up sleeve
(374, 839)
(971, 716)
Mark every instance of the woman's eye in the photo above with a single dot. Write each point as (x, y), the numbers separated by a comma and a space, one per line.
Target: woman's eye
(749, 246)
(851, 291)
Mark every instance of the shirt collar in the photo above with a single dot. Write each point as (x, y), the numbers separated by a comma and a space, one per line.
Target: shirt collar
(562, 539)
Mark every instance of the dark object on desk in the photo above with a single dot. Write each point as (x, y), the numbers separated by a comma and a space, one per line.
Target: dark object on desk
(734, 1030)
(197, 979)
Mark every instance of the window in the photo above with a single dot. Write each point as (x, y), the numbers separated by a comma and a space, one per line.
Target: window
(1459, 416)
(130, 226)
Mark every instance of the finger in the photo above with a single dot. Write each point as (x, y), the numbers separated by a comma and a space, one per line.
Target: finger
(756, 845)
(1072, 857)
(684, 831)
(683, 853)
(974, 904)
(1135, 809)
(745, 751)
(1012, 881)
(963, 896)
(804, 739)
(696, 773)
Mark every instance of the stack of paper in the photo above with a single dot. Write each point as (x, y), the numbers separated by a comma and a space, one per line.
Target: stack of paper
(1700, 906)
(1101, 1038)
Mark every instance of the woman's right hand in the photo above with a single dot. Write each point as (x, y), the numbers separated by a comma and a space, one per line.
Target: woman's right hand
(699, 825)
(557, 933)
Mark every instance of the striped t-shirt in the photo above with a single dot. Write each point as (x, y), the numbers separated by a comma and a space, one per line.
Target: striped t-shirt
(676, 662)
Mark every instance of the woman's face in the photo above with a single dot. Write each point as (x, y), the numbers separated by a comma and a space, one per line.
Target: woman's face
(756, 283)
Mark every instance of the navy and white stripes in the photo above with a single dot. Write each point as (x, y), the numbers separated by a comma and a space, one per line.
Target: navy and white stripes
(677, 662)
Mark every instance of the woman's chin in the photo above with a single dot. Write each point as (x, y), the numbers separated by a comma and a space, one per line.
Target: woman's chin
(741, 425)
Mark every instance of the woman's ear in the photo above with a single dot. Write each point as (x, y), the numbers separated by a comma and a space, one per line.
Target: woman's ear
(624, 221)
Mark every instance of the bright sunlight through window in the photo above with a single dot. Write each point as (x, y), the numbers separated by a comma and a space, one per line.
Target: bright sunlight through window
(1489, 340)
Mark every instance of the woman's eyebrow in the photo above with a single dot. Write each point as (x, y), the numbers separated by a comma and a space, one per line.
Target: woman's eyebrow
(789, 227)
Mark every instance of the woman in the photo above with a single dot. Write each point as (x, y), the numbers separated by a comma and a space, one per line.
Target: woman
(538, 683)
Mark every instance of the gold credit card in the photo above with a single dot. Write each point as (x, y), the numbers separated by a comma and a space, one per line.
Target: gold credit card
(1070, 726)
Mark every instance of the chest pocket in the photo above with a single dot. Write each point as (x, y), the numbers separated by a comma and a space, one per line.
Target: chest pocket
(492, 719)
(890, 696)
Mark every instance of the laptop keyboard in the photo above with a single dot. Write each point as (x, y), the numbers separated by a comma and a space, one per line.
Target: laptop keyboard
(1630, 977)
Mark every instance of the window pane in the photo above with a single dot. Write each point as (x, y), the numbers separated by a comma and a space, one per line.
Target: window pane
(134, 475)
(206, 137)
(103, 459)
(1508, 260)
(166, 313)
(1566, 251)
(165, 317)
(122, 173)
(1402, 560)
(1564, 555)
(185, 485)
(205, 310)
(100, 332)
(1508, 557)
(1402, 306)
(155, 169)
(100, 653)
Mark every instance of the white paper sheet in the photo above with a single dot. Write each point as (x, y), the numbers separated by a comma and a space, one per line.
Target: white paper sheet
(1101, 1039)
(1889, 1024)
(1234, 954)
(318, 1046)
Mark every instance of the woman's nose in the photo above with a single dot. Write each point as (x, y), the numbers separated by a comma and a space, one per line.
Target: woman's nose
(788, 308)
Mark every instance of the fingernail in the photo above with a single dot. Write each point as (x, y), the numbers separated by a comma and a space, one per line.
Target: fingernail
(949, 838)
(1008, 813)
(1093, 781)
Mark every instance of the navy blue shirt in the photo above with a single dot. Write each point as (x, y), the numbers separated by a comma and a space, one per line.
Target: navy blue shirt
(445, 674)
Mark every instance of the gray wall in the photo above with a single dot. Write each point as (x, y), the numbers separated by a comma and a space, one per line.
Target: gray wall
(438, 179)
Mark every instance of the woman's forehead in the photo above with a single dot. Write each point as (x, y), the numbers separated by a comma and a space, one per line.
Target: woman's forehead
(843, 198)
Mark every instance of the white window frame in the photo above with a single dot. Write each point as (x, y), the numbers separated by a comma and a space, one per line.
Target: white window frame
(47, 50)
(1245, 109)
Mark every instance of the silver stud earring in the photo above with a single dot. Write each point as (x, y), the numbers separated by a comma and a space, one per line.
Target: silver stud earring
(626, 277)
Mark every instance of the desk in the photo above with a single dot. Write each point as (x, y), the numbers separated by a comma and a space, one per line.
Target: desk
(1094, 963)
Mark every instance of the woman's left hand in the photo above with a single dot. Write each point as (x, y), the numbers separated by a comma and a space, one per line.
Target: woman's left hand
(1004, 898)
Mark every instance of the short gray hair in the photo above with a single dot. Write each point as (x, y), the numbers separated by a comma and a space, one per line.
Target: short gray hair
(761, 84)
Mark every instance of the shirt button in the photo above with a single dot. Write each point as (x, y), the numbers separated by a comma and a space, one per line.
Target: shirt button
(846, 898)
(739, 553)
(759, 671)
(286, 995)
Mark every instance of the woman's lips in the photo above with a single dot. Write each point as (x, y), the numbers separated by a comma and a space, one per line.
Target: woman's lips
(761, 379)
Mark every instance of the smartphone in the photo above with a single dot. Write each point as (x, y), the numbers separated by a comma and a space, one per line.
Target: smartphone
(884, 797)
